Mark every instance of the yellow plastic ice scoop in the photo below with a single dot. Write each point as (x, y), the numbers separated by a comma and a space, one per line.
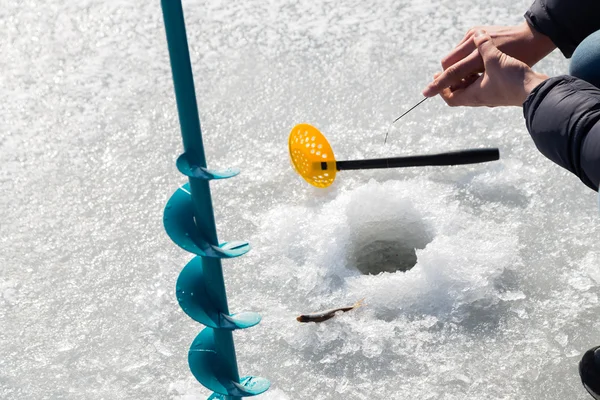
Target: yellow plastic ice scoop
(312, 157)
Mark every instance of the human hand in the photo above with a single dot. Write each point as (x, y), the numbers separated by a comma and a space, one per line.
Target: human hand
(505, 81)
(521, 42)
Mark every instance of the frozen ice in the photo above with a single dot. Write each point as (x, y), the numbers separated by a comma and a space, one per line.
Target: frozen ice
(480, 281)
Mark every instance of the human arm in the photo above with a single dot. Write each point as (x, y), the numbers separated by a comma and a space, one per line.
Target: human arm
(549, 23)
(505, 81)
(562, 115)
(565, 22)
(521, 42)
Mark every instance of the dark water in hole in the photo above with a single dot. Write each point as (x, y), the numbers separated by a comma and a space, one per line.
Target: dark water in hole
(388, 246)
(385, 256)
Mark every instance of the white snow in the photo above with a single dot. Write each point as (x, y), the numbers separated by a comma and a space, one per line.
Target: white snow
(502, 299)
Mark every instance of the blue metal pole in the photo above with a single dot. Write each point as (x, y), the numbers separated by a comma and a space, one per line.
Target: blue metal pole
(200, 191)
(190, 222)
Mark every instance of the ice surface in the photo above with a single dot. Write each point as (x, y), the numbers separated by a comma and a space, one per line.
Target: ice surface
(502, 297)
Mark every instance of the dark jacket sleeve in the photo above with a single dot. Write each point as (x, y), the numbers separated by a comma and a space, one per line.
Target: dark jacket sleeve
(565, 22)
(563, 117)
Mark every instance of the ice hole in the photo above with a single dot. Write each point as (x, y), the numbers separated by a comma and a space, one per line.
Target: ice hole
(385, 233)
(385, 256)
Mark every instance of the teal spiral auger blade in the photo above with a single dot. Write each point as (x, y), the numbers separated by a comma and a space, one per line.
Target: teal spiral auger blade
(189, 221)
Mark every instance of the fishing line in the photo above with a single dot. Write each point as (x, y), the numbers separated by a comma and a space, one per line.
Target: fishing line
(412, 108)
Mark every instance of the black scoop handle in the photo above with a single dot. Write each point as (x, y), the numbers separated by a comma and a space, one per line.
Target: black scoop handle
(472, 156)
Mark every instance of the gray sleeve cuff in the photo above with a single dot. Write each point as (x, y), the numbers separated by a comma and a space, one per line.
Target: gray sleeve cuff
(566, 22)
(562, 116)
(540, 19)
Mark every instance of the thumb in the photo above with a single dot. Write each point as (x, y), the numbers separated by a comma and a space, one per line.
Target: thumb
(488, 50)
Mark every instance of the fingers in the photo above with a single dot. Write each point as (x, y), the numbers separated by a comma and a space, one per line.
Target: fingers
(467, 96)
(464, 83)
(462, 50)
(469, 35)
(454, 74)
(489, 52)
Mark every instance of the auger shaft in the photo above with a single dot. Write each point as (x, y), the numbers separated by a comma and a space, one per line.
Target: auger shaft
(200, 190)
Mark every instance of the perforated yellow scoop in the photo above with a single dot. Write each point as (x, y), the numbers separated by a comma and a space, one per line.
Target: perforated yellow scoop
(312, 157)
(309, 149)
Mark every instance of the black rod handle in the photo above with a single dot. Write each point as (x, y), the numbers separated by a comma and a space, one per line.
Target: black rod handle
(472, 156)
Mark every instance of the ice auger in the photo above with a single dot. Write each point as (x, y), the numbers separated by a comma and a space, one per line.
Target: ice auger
(190, 223)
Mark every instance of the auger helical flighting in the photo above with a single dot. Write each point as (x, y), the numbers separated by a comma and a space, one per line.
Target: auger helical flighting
(190, 223)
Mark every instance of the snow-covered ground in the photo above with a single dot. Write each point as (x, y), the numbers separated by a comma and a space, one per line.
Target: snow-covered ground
(501, 303)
